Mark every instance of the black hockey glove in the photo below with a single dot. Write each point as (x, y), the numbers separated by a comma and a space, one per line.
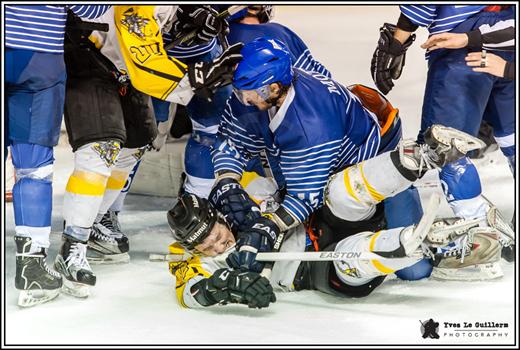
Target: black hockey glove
(203, 19)
(388, 58)
(230, 198)
(233, 286)
(206, 77)
(260, 237)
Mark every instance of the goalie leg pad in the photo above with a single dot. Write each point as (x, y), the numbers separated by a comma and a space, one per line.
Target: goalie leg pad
(353, 193)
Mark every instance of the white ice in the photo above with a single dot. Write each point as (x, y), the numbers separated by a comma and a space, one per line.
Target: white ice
(136, 304)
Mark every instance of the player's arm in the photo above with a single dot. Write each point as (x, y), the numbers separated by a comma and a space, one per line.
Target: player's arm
(197, 287)
(153, 72)
(89, 11)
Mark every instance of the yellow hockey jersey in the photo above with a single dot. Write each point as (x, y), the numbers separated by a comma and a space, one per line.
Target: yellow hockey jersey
(134, 44)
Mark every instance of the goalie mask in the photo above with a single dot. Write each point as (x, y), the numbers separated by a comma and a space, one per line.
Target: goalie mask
(191, 220)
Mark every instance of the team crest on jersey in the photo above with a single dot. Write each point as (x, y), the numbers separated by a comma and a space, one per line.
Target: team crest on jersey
(139, 153)
(108, 151)
(134, 24)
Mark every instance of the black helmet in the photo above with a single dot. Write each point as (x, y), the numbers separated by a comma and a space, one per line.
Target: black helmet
(191, 220)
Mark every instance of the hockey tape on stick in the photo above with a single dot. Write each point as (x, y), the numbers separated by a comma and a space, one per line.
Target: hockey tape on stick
(224, 14)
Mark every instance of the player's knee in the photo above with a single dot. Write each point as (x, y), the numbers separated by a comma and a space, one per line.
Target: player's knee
(92, 168)
(460, 180)
(32, 161)
(349, 196)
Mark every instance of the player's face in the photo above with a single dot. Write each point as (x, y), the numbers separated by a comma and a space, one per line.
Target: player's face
(251, 98)
(218, 241)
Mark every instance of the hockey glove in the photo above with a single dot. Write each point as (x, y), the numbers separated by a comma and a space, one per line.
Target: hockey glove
(237, 287)
(206, 77)
(260, 237)
(203, 19)
(388, 58)
(230, 198)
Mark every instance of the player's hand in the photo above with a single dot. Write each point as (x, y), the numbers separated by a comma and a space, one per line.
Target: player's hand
(492, 64)
(388, 58)
(202, 18)
(230, 198)
(234, 286)
(260, 237)
(446, 41)
(206, 77)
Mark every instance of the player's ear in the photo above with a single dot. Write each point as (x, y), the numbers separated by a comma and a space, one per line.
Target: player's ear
(275, 88)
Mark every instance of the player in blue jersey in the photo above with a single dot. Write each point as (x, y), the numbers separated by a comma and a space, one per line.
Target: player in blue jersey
(478, 96)
(35, 82)
(314, 129)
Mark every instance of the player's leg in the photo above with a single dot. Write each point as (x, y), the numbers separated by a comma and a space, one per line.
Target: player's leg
(205, 118)
(500, 113)
(34, 114)
(95, 127)
(353, 193)
(107, 243)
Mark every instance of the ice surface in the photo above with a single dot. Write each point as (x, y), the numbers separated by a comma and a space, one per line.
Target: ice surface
(135, 303)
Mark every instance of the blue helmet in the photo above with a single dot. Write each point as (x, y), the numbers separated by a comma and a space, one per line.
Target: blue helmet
(265, 61)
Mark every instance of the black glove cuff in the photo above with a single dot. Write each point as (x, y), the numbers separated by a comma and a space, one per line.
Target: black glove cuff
(404, 23)
(474, 39)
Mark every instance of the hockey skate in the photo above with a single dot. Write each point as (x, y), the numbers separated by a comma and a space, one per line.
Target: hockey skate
(107, 244)
(472, 256)
(37, 283)
(72, 263)
(442, 145)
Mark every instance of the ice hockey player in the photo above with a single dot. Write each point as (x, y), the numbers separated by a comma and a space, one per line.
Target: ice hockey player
(35, 82)
(108, 107)
(309, 126)
(245, 26)
(480, 96)
(205, 114)
(204, 280)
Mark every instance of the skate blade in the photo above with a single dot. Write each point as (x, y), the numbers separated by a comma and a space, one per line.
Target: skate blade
(481, 272)
(462, 141)
(78, 290)
(28, 298)
(122, 258)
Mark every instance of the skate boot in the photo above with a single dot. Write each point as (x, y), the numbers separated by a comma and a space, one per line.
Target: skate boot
(36, 282)
(442, 145)
(72, 263)
(472, 256)
(107, 244)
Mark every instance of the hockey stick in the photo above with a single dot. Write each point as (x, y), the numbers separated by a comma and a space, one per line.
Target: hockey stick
(224, 14)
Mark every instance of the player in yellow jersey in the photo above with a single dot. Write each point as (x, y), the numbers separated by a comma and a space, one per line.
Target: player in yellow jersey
(110, 121)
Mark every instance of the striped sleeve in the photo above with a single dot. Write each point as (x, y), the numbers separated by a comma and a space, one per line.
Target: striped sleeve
(307, 62)
(231, 149)
(421, 15)
(500, 36)
(306, 173)
(89, 11)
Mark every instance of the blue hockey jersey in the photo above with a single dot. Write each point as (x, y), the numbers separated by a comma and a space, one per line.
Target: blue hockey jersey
(439, 18)
(300, 54)
(320, 128)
